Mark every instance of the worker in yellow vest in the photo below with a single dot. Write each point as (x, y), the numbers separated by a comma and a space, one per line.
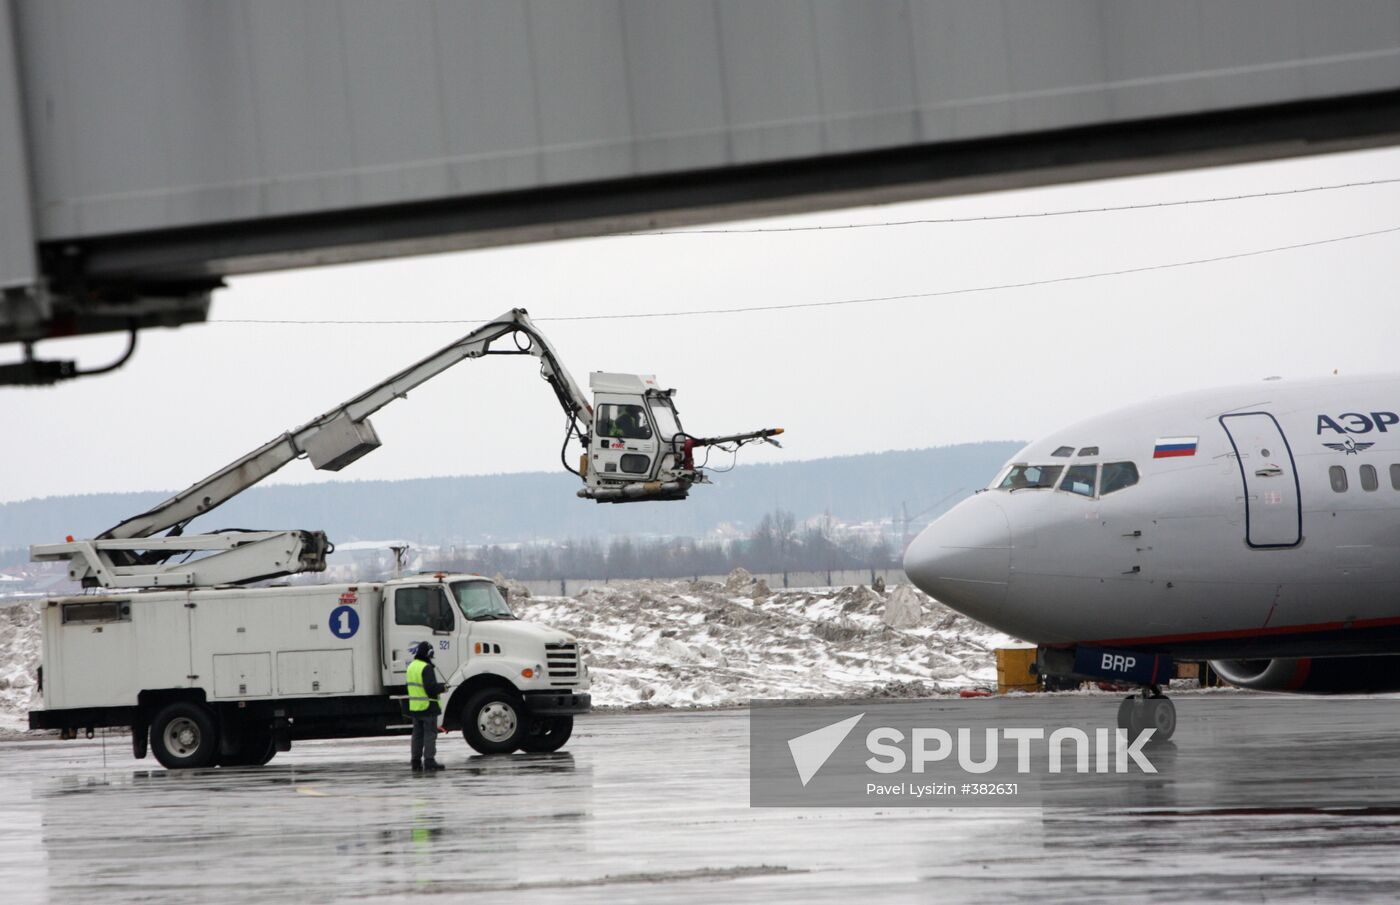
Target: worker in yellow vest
(424, 707)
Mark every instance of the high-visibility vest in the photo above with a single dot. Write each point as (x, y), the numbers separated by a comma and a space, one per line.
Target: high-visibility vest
(418, 699)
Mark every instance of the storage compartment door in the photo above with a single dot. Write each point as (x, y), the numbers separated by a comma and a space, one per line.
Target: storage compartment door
(243, 675)
(302, 673)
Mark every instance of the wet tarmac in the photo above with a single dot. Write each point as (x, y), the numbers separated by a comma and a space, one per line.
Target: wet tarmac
(654, 807)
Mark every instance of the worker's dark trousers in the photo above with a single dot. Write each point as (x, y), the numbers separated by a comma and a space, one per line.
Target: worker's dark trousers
(425, 737)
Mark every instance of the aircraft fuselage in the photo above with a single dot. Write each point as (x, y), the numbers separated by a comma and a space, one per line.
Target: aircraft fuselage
(1256, 521)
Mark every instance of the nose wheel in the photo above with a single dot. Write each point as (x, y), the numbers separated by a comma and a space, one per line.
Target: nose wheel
(1149, 710)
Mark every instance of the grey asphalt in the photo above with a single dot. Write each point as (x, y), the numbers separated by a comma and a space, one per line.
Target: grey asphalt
(655, 807)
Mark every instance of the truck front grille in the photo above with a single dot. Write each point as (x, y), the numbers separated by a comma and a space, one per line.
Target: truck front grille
(561, 663)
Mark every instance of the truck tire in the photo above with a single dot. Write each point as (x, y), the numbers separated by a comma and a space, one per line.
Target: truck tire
(494, 721)
(548, 734)
(139, 734)
(184, 735)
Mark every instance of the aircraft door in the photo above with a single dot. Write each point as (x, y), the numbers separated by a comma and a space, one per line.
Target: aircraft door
(420, 613)
(1273, 513)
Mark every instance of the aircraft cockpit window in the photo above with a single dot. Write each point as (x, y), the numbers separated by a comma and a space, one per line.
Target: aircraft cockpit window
(1064, 452)
(1338, 476)
(1030, 477)
(1089, 451)
(1117, 475)
(1080, 479)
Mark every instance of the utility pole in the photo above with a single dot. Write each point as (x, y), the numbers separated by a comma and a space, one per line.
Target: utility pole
(400, 551)
(906, 518)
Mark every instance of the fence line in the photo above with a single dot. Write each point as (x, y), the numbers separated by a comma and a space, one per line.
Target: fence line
(825, 578)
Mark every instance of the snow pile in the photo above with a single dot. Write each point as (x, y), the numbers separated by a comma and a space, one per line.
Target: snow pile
(903, 608)
(516, 590)
(682, 643)
(20, 642)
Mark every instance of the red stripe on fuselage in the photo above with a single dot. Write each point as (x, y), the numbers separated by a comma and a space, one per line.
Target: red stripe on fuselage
(1249, 632)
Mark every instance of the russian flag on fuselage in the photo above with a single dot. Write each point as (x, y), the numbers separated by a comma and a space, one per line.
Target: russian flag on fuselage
(1168, 447)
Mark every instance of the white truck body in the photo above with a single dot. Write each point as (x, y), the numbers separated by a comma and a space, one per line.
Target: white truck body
(308, 662)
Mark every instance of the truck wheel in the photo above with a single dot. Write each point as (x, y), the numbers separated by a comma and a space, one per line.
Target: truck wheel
(183, 735)
(139, 733)
(549, 735)
(494, 721)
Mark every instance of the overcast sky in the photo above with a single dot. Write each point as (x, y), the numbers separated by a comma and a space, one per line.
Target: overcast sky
(1011, 364)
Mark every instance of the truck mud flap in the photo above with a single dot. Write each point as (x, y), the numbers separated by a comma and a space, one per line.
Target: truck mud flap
(281, 734)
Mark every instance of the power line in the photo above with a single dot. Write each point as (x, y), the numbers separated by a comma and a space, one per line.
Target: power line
(968, 290)
(1149, 205)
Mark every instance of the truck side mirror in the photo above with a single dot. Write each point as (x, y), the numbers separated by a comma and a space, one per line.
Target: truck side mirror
(505, 592)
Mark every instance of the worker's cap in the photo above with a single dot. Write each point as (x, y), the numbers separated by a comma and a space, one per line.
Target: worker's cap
(424, 650)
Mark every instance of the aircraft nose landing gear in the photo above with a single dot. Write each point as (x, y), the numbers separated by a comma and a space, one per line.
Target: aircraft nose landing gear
(1149, 710)
(1147, 670)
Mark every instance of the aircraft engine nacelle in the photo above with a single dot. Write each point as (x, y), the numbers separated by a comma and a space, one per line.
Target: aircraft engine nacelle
(1314, 675)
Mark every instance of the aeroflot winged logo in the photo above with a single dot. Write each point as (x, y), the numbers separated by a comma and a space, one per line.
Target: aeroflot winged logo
(1349, 446)
(812, 750)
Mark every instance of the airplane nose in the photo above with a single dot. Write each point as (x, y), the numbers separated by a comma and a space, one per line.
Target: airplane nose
(964, 558)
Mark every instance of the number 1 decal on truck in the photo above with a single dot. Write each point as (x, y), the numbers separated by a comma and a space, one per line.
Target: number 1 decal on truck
(344, 622)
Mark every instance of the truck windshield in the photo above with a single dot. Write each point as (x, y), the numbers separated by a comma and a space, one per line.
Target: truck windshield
(480, 601)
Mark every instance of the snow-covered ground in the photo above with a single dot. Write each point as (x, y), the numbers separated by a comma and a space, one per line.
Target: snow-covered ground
(19, 658)
(682, 643)
(689, 644)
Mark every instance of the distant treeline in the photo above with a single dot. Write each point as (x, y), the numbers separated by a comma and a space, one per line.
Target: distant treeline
(776, 545)
(520, 508)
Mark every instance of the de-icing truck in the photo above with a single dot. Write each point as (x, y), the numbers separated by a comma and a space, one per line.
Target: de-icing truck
(232, 675)
(172, 642)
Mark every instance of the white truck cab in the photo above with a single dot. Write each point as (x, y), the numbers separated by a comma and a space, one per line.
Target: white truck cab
(478, 645)
(232, 675)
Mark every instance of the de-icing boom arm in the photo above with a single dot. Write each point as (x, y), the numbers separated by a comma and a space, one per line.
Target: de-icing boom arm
(344, 434)
(616, 467)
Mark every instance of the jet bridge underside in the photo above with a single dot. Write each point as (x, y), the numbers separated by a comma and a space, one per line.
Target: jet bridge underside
(198, 256)
(151, 148)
